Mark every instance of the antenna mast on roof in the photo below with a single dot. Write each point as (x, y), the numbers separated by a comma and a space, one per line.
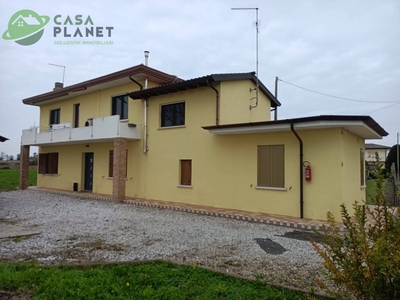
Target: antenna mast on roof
(257, 34)
(60, 67)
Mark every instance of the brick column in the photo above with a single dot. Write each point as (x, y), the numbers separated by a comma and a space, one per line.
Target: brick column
(119, 169)
(24, 167)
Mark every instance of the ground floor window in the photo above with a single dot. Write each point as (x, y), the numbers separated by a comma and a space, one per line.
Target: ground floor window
(186, 172)
(271, 166)
(362, 167)
(111, 164)
(48, 163)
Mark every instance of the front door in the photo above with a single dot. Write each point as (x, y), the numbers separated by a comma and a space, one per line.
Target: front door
(88, 171)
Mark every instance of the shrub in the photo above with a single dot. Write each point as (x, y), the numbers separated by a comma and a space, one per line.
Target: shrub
(364, 261)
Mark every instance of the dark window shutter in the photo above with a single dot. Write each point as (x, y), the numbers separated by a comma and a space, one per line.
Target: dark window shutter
(362, 167)
(52, 167)
(42, 163)
(186, 172)
(111, 163)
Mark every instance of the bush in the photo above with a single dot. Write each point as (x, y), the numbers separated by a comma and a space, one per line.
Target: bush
(363, 262)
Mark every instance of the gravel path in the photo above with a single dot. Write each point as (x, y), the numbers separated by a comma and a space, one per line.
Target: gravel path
(75, 230)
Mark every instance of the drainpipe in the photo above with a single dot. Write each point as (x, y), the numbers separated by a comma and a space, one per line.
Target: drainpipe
(216, 103)
(145, 148)
(301, 170)
(276, 97)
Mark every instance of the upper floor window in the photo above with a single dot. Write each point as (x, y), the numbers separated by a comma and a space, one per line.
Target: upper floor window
(173, 114)
(55, 116)
(119, 107)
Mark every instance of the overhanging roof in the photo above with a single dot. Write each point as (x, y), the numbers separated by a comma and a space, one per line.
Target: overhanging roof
(202, 82)
(376, 146)
(3, 139)
(139, 72)
(363, 126)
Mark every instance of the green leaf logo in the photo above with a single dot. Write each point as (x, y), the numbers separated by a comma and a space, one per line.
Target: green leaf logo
(25, 27)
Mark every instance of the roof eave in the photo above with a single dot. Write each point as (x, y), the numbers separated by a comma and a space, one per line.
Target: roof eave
(36, 100)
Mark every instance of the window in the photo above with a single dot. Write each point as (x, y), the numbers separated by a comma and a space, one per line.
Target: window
(111, 164)
(48, 163)
(119, 107)
(186, 172)
(362, 167)
(76, 115)
(54, 116)
(270, 166)
(173, 114)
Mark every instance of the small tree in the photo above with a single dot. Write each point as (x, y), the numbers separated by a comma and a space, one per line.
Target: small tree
(392, 158)
(363, 262)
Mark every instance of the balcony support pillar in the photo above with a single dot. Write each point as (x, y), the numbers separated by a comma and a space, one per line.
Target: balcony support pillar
(119, 168)
(24, 167)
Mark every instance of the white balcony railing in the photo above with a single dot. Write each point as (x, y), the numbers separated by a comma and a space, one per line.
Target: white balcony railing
(101, 129)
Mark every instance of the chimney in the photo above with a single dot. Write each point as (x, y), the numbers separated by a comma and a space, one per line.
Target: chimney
(146, 58)
(58, 86)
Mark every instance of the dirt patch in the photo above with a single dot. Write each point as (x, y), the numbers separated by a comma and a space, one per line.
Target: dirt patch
(6, 295)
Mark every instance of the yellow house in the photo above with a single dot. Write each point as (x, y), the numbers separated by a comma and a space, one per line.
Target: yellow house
(207, 141)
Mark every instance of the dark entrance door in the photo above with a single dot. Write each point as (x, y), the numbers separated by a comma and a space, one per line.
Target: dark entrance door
(88, 171)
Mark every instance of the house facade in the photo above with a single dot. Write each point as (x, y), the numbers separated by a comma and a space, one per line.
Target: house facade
(208, 141)
(372, 149)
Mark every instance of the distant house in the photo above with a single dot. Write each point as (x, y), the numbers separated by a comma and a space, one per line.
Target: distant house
(208, 141)
(371, 149)
(3, 139)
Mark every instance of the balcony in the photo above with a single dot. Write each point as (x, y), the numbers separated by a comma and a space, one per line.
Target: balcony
(99, 130)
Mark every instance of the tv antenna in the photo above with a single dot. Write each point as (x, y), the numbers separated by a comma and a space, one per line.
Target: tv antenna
(60, 67)
(257, 34)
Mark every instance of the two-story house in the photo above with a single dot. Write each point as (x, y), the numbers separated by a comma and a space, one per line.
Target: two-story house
(209, 141)
(372, 149)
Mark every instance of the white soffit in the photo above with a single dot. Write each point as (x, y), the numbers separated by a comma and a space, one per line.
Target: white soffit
(358, 128)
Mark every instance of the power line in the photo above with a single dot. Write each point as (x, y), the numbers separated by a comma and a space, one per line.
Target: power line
(342, 98)
(383, 107)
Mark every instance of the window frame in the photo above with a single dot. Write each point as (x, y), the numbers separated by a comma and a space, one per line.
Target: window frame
(48, 163)
(272, 161)
(174, 117)
(57, 116)
(123, 108)
(362, 167)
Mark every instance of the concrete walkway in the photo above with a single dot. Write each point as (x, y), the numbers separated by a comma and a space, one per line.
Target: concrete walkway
(10, 231)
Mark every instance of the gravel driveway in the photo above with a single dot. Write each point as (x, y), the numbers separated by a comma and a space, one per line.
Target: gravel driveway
(75, 230)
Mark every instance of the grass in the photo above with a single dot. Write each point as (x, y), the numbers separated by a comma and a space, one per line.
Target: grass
(145, 280)
(9, 178)
(371, 190)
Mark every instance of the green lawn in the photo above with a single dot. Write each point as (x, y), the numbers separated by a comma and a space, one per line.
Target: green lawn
(9, 179)
(146, 280)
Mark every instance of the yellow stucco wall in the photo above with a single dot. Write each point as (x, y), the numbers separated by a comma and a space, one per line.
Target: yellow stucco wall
(236, 99)
(224, 168)
(93, 105)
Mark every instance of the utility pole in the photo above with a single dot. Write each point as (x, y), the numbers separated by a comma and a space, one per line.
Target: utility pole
(398, 170)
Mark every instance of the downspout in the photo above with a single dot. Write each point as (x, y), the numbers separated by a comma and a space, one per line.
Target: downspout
(145, 148)
(301, 170)
(216, 103)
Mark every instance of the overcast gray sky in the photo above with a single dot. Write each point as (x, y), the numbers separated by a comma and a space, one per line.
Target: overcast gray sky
(345, 48)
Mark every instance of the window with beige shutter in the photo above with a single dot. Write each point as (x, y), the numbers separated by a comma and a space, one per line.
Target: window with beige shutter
(271, 166)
